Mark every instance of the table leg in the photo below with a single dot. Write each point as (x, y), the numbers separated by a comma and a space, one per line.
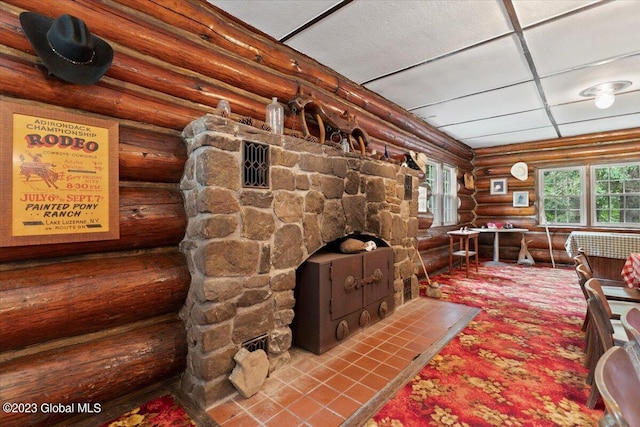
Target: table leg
(496, 247)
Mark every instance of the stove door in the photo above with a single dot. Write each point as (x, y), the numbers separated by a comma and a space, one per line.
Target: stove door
(346, 285)
(378, 270)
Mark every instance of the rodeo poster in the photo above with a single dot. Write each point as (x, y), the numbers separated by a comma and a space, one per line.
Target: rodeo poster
(62, 169)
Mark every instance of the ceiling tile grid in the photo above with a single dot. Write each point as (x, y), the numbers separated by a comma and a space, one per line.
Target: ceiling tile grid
(487, 72)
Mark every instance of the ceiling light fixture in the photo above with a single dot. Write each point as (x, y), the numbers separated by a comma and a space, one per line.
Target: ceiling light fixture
(604, 93)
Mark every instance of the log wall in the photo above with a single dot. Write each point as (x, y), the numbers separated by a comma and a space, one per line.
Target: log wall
(496, 162)
(92, 321)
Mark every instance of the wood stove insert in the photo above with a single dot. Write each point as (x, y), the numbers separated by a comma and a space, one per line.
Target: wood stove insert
(339, 294)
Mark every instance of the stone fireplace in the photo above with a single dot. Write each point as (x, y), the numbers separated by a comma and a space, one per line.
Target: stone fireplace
(259, 205)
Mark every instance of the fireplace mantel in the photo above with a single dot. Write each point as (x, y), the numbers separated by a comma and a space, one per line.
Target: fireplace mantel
(252, 221)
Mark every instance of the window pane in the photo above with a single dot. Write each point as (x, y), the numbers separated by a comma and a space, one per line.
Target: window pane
(618, 193)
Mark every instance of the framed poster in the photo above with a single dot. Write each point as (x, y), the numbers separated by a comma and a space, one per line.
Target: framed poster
(59, 174)
(498, 186)
(520, 199)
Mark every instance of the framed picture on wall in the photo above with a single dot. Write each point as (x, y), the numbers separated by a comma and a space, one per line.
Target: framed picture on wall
(520, 199)
(498, 186)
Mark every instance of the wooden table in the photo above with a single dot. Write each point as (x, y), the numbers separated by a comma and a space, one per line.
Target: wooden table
(607, 251)
(496, 238)
(463, 237)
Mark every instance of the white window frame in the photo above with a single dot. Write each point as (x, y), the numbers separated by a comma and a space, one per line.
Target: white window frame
(443, 213)
(594, 213)
(587, 197)
(449, 195)
(583, 203)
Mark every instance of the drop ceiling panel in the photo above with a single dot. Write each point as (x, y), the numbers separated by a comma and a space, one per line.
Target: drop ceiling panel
(495, 64)
(517, 98)
(275, 17)
(533, 11)
(512, 137)
(601, 125)
(587, 37)
(566, 87)
(626, 103)
(495, 125)
(368, 39)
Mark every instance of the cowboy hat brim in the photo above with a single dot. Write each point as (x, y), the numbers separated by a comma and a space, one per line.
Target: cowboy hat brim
(36, 26)
(520, 171)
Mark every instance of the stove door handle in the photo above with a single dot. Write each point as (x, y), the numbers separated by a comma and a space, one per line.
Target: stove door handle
(351, 283)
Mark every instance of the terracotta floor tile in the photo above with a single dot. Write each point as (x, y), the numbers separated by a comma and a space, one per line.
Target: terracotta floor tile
(225, 411)
(322, 373)
(337, 364)
(340, 382)
(387, 371)
(360, 392)
(265, 409)
(373, 341)
(285, 395)
(389, 347)
(307, 364)
(288, 374)
(407, 335)
(304, 383)
(351, 356)
(326, 418)
(362, 348)
(305, 407)
(379, 355)
(283, 418)
(367, 363)
(344, 405)
(354, 372)
(416, 347)
(248, 402)
(398, 362)
(323, 394)
(241, 420)
(398, 340)
(374, 381)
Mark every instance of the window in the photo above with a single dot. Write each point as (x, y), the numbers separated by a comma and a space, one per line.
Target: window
(609, 197)
(617, 194)
(562, 196)
(442, 200)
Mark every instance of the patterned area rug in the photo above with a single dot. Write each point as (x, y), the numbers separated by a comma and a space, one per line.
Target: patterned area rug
(161, 412)
(518, 363)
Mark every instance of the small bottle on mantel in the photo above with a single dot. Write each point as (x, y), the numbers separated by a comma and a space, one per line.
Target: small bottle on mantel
(275, 116)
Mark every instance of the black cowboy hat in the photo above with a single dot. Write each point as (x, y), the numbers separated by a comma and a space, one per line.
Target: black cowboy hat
(67, 48)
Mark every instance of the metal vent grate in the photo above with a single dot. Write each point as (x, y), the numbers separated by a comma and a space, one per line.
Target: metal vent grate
(255, 165)
(408, 187)
(407, 289)
(257, 343)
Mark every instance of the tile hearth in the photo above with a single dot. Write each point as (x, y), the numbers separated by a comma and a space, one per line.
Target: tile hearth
(348, 384)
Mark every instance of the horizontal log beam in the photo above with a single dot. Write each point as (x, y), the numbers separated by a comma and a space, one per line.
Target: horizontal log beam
(539, 147)
(151, 156)
(93, 372)
(498, 211)
(73, 298)
(567, 154)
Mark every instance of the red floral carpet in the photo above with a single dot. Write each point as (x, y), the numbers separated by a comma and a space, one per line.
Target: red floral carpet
(518, 363)
(161, 412)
